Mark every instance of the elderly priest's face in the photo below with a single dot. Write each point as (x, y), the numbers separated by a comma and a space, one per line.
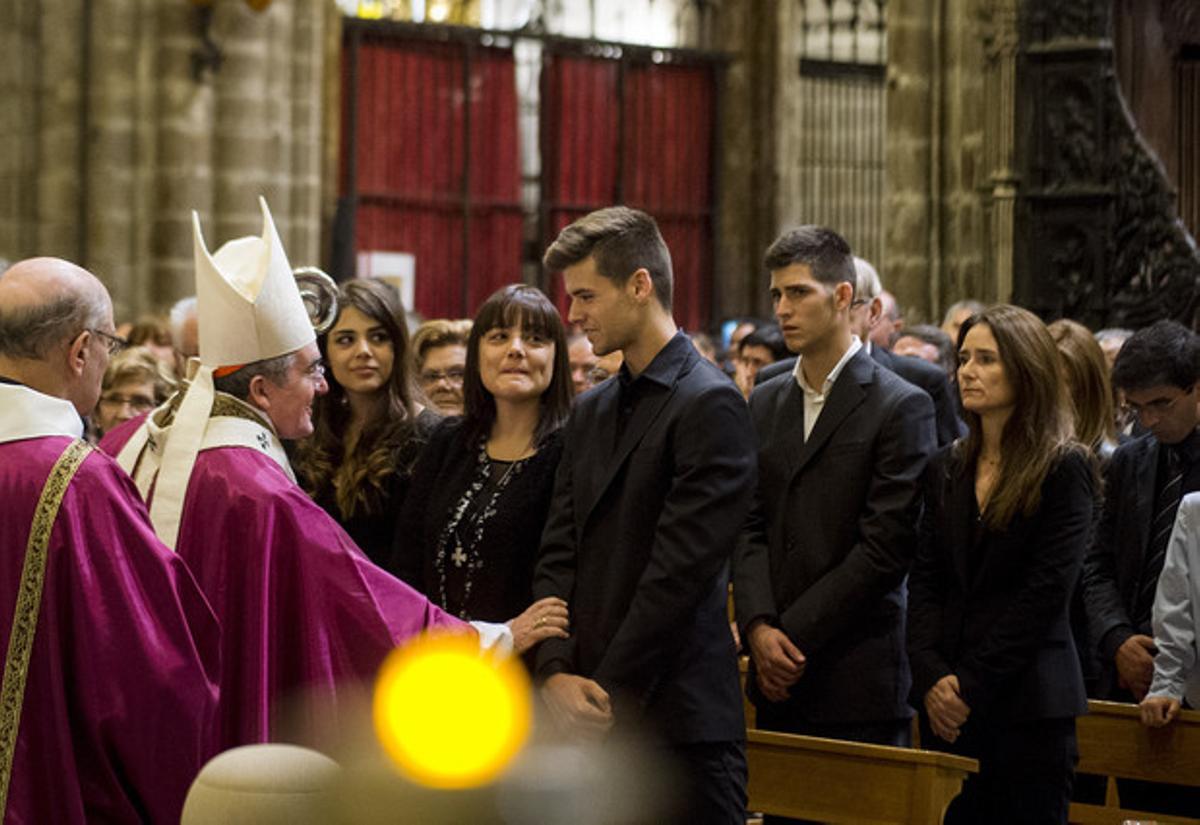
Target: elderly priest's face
(289, 405)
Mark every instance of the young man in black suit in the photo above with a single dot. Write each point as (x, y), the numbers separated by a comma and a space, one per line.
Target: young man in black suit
(864, 316)
(818, 578)
(654, 484)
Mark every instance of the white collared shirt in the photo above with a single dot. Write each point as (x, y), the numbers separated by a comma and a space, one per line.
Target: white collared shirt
(814, 401)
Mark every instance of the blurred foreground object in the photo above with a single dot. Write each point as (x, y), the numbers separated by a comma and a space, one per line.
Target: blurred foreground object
(262, 785)
(448, 716)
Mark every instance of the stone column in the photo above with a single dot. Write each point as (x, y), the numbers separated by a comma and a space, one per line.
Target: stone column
(59, 99)
(19, 73)
(120, 151)
(108, 174)
(936, 172)
(183, 169)
(748, 207)
(1000, 144)
(307, 94)
(912, 248)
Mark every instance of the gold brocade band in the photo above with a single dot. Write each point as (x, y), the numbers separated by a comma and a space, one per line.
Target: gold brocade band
(29, 601)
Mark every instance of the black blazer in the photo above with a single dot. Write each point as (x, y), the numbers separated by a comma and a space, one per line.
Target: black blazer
(638, 542)
(832, 534)
(993, 607)
(919, 373)
(1112, 568)
(933, 380)
(503, 589)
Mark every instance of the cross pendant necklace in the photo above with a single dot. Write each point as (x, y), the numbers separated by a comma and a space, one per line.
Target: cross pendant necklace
(458, 556)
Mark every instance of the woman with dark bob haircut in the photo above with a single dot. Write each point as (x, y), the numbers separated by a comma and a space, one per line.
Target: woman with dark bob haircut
(481, 491)
(1007, 517)
(368, 429)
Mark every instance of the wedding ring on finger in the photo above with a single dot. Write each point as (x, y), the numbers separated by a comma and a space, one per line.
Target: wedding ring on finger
(541, 620)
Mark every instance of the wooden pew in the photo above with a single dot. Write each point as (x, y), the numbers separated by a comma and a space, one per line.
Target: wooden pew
(1114, 743)
(831, 781)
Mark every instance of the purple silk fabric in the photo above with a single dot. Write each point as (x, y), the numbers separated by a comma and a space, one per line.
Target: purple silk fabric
(120, 704)
(304, 614)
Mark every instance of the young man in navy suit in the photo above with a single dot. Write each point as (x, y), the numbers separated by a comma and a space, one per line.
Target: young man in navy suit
(819, 575)
(654, 484)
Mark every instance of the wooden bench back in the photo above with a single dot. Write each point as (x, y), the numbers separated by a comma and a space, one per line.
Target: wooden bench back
(830, 781)
(1114, 743)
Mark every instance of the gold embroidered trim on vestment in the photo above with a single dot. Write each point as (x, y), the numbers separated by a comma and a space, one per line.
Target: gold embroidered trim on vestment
(29, 602)
(224, 405)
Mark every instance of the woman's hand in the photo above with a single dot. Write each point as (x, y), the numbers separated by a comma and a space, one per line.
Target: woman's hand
(946, 709)
(544, 619)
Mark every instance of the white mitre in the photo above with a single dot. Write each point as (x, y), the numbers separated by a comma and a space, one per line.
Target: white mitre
(249, 309)
(247, 302)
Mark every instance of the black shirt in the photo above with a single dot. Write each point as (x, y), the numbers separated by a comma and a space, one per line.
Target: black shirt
(657, 376)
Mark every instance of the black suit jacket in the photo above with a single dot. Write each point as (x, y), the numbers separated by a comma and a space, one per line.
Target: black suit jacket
(832, 534)
(638, 542)
(993, 607)
(1113, 567)
(919, 373)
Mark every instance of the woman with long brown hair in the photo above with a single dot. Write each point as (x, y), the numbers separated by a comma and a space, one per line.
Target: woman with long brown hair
(1089, 389)
(1007, 518)
(368, 429)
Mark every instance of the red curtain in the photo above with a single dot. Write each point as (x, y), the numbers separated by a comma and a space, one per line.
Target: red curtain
(654, 129)
(414, 158)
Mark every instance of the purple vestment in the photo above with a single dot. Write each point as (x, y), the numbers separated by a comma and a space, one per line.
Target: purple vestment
(304, 613)
(120, 704)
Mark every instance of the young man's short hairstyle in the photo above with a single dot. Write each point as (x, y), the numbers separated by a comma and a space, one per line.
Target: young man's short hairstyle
(823, 251)
(1164, 353)
(621, 241)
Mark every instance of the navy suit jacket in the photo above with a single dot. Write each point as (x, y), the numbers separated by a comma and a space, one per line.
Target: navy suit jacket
(832, 534)
(919, 373)
(638, 542)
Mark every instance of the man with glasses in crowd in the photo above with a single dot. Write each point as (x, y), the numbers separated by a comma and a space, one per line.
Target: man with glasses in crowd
(1146, 478)
(110, 642)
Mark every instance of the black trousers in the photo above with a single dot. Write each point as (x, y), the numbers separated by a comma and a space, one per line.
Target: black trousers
(1026, 770)
(894, 732)
(711, 783)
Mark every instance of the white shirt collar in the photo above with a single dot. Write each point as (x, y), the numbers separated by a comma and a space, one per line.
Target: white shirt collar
(798, 372)
(27, 413)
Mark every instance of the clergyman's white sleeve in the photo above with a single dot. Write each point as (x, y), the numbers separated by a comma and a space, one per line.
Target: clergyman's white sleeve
(497, 638)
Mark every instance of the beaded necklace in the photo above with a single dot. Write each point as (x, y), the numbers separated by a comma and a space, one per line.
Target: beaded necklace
(463, 533)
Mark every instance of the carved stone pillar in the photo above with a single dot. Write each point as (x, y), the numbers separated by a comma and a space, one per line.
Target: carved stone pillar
(19, 81)
(1097, 238)
(122, 116)
(937, 176)
(748, 204)
(1000, 143)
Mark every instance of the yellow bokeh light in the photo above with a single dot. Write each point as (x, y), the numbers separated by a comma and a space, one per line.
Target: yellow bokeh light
(449, 716)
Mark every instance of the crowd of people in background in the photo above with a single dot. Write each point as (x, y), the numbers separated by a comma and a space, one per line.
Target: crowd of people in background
(979, 524)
